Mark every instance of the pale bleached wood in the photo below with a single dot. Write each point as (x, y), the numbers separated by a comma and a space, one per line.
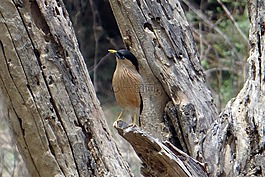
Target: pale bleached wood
(159, 158)
(232, 143)
(48, 99)
(158, 33)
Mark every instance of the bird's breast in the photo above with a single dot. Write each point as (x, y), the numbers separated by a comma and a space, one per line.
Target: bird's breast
(127, 84)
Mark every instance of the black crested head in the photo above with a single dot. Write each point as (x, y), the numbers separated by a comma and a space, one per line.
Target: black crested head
(123, 53)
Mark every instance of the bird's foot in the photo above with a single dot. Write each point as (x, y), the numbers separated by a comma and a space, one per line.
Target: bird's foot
(119, 123)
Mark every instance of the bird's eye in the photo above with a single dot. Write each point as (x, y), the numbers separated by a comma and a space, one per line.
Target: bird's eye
(119, 55)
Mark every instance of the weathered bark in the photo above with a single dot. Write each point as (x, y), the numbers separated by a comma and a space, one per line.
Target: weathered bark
(49, 101)
(51, 106)
(159, 158)
(231, 144)
(154, 96)
(234, 145)
(158, 33)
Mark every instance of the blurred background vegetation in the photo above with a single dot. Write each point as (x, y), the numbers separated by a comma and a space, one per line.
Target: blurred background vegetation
(220, 29)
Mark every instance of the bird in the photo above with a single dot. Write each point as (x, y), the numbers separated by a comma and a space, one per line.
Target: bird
(127, 84)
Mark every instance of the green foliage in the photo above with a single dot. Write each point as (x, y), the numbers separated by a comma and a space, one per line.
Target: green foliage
(221, 32)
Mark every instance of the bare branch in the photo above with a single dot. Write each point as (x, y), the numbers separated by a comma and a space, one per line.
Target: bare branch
(213, 26)
(159, 158)
(234, 22)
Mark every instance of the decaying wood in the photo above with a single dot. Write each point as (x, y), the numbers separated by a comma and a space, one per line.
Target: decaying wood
(231, 144)
(153, 94)
(51, 107)
(159, 158)
(158, 33)
(48, 98)
(234, 145)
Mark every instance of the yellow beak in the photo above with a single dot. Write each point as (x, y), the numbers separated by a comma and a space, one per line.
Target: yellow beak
(112, 51)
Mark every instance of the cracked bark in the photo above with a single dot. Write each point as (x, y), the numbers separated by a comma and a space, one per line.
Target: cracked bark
(47, 97)
(234, 145)
(230, 144)
(159, 158)
(51, 107)
(158, 33)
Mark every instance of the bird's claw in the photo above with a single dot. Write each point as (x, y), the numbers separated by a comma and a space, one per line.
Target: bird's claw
(120, 124)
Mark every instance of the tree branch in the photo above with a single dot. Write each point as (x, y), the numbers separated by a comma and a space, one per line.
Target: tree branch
(159, 158)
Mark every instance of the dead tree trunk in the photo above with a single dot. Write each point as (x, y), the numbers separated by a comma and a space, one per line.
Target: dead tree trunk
(49, 101)
(231, 144)
(234, 145)
(159, 35)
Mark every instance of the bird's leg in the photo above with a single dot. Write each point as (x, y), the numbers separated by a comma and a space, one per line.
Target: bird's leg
(117, 121)
(134, 119)
(120, 115)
